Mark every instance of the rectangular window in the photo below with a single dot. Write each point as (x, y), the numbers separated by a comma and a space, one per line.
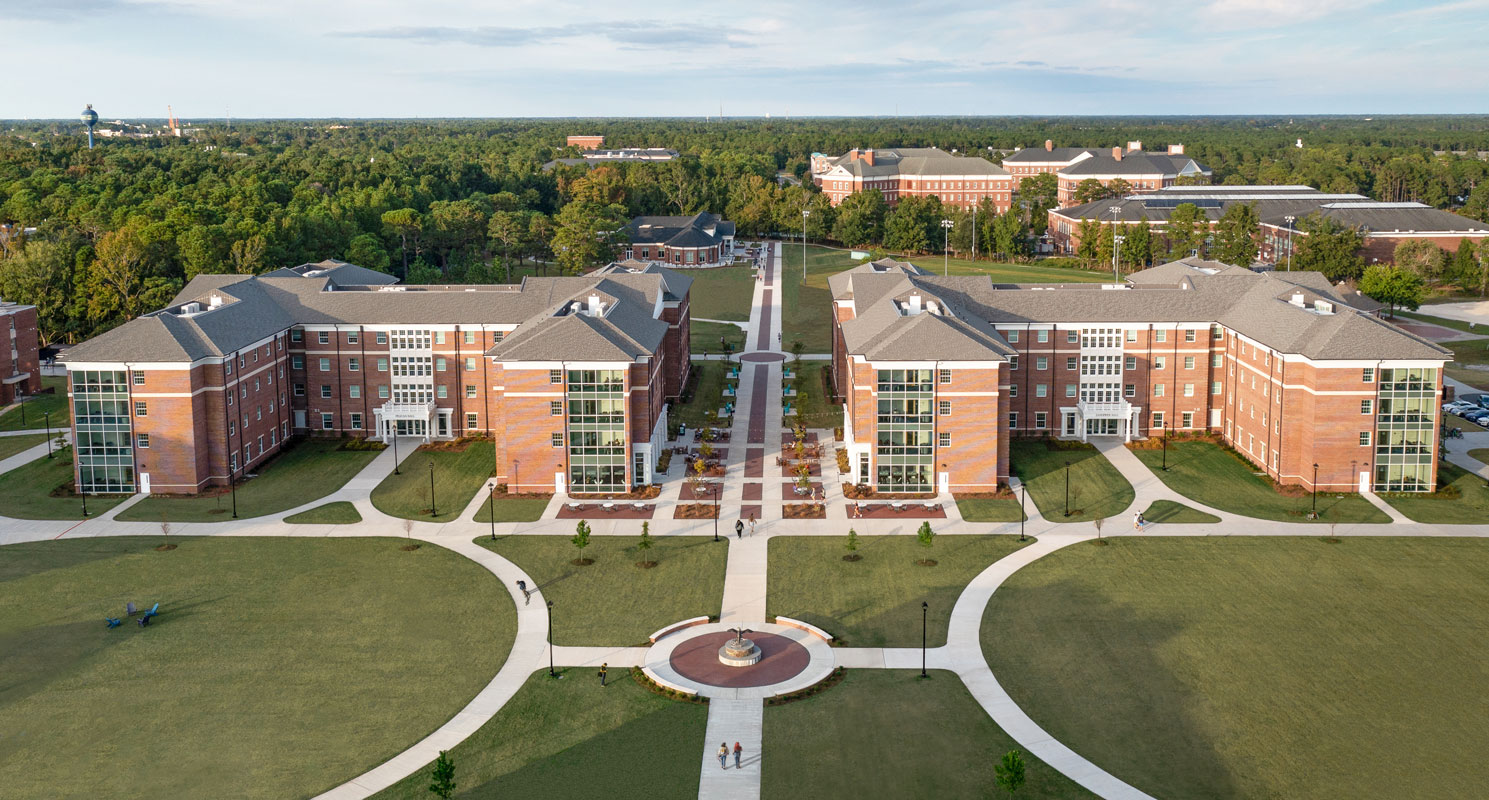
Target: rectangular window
(471, 423)
(1070, 363)
(382, 365)
(1188, 362)
(353, 364)
(325, 391)
(470, 390)
(1364, 438)
(327, 422)
(1131, 335)
(258, 413)
(556, 408)
(1187, 419)
(1013, 419)
(382, 392)
(355, 391)
(470, 365)
(233, 461)
(946, 376)
(1041, 390)
(1130, 390)
(1012, 337)
(944, 408)
(297, 362)
(1013, 362)
(1160, 335)
(1129, 363)
(1157, 390)
(558, 440)
(439, 337)
(139, 378)
(556, 376)
(139, 408)
(1188, 390)
(296, 335)
(351, 337)
(1042, 336)
(442, 391)
(324, 337)
(439, 365)
(299, 390)
(1072, 337)
(1041, 363)
(1214, 387)
(381, 337)
(1040, 418)
(1189, 337)
(943, 440)
(1158, 419)
(1070, 390)
(1368, 375)
(1215, 360)
(1365, 406)
(1159, 362)
(1013, 390)
(356, 420)
(1216, 334)
(325, 365)
(470, 337)
(142, 441)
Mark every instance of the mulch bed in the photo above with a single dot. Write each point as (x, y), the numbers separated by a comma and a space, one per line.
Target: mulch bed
(705, 492)
(788, 469)
(788, 438)
(593, 511)
(452, 446)
(804, 511)
(719, 453)
(788, 489)
(645, 493)
(883, 511)
(1004, 493)
(693, 511)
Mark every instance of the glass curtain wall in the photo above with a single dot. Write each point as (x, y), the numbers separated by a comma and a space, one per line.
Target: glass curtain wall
(105, 454)
(1405, 421)
(596, 402)
(906, 430)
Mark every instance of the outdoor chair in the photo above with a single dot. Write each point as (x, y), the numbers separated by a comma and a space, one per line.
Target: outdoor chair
(113, 622)
(153, 612)
(145, 621)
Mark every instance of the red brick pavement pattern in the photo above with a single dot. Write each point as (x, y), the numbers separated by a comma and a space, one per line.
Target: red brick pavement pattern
(787, 488)
(594, 511)
(745, 512)
(912, 510)
(753, 491)
(757, 406)
(788, 438)
(719, 453)
(755, 462)
(688, 495)
(789, 471)
(762, 358)
(781, 659)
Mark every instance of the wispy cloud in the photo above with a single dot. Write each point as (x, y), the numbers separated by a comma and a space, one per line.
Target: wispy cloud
(61, 10)
(628, 35)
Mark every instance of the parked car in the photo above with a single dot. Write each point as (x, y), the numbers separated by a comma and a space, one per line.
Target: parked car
(1477, 417)
(1458, 407)
(1483, 400)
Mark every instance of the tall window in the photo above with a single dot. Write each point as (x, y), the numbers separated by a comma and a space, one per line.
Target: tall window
(101, 414)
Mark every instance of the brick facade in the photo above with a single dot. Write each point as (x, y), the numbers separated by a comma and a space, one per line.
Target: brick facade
(20, 368)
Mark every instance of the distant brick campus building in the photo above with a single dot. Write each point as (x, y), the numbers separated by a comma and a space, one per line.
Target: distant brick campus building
(1030, 161)
(702, 240)
(585, 141)
(20, 369)
(1279, 210)
(939, 373)
(899, 172)
(568, 376)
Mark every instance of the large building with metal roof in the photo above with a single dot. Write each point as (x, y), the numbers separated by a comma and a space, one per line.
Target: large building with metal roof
(568, 376)
(940, 373)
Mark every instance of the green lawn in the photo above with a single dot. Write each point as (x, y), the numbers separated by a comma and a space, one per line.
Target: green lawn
(982, 509)
(888, 733)
(816, 412)
(1097, 489)
(1216, 478)
(806, 308)
(570, 738)
(612, 601)
(704, 338)
(1169, 511)
(1451, 421)
(1470, 507)
(1479, 453)
(37, 406)
(707, 395)
(722, 293)
(309, 470)
(337, 513)
(11, 445)
(515, 509)
(278, 667)
(458, 475)
(26, 491)
(1455, 324)
(1257, 666)
(875, 602)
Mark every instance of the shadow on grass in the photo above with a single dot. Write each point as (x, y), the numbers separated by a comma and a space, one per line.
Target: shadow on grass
(1083, 666)
(32, 658)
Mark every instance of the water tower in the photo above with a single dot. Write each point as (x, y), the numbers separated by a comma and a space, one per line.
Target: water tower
(90, 118)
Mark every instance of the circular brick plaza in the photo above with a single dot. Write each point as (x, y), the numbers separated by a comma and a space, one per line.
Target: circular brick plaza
(763, 357)
(697, 660)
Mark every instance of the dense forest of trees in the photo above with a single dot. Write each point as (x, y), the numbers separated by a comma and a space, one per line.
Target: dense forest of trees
(120, 228)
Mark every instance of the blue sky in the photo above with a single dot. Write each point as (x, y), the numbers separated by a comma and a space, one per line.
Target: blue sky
(395, 58)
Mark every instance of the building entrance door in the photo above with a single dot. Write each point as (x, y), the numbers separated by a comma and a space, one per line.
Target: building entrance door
(1102, 427)
(144, 483)
(1365, 481)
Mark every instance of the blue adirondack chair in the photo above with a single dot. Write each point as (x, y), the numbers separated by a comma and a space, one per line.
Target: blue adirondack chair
(113, 622)
(153, 612)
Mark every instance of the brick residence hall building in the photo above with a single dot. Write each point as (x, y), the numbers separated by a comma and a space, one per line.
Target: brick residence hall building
(20, 370)
(960, 181)
(702, 240)
(939, 373)
(569, 376)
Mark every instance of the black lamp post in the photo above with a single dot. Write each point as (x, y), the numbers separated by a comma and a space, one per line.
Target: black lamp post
(1165, 449)
(924, 607)
(394, 426)
(551, 674)
(1067, 488)
(1023, 493)
(48, 416)
(23, 411)
(715, 511)
(493, 511)
(83, 493)
(434, 508)
(232, 482)
(1315, 491)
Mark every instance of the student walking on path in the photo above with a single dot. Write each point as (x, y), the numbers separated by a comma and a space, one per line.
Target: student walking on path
(739, 529)
(723, 755)
(737, 751)
(752, 524)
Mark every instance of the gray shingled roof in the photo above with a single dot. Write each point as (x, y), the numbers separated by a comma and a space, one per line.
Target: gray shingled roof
(679, 231)
(1255, 304)
(340, 272)
(1039, 155)
(917, 161)
(1135, 162)
(1175, 271)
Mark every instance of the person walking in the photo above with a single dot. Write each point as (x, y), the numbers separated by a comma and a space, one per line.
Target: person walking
(737, 751)
(526, 595)
(739, 529)
(723, 755)
(604, 669)
(1137, 520)
(752, 524)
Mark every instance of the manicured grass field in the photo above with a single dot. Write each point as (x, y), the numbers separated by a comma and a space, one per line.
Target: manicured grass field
(570, 738)
(981, 509)
(703, 338)
(1480, 453)
(613, 601)
(1097, 489)
(1451, 421)
(277, 668)
(816, 412)
(25, 492)
(515, 509)
(722, 293)
(337, 513)
(1470, 507)
(458, 475)
(1455, 324)
(1212, 476)
(310, 469)
(875, 602)
(888, 733)
(1169, 511)
(805, 309)
(1257, 666)
(37, 406)
(11, 445)
(707, 395)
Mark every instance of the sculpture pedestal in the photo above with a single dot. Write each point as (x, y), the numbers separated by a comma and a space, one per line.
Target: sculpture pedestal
(739, 653)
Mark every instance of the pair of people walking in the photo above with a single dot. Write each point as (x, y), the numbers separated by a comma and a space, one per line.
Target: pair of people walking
(1138, 522)
(724, 755)
(739, 526)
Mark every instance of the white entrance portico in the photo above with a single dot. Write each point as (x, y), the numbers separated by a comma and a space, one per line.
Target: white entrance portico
(1086, 419)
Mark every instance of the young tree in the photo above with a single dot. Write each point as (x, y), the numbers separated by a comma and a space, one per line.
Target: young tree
(852, 544)
(1010, 773)
(581, 538)
(646, 543)
(1098, 522)
(1235, 235)
(1010, 237)
(1464, 269)
(442, 778)
(925, 535)
(1090, 237)
(1393, 285)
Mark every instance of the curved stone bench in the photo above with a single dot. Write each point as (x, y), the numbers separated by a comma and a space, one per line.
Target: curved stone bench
(666, 684)
(677, 626)
(804, 626)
